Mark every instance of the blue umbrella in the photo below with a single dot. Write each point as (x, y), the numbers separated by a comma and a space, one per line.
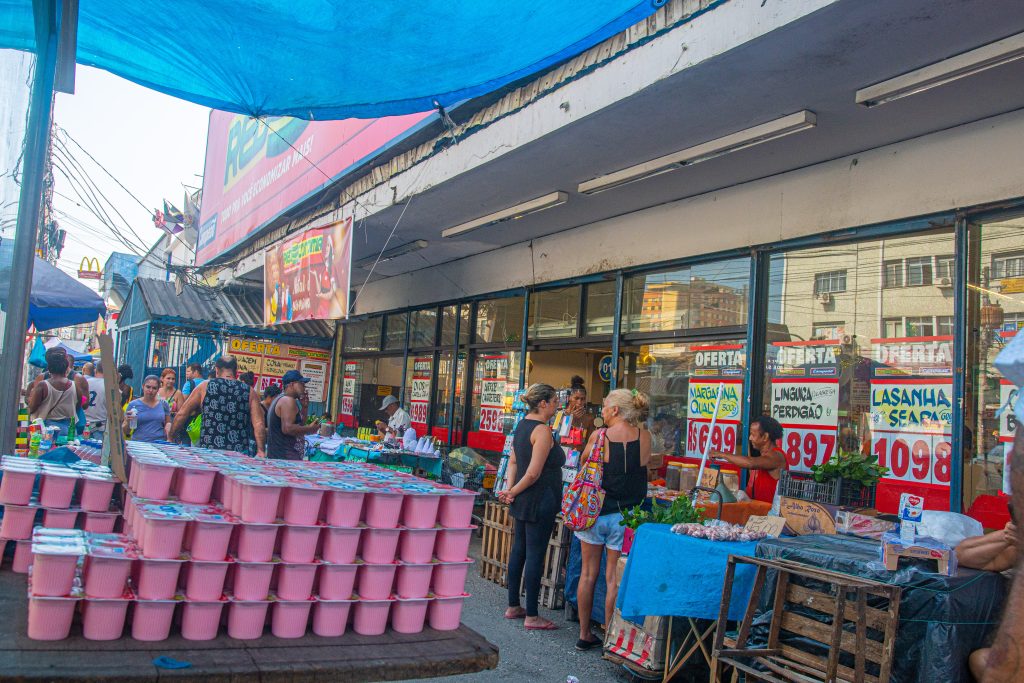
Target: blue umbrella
(56, 299)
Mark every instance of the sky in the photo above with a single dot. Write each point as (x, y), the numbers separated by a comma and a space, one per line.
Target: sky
(152, 143)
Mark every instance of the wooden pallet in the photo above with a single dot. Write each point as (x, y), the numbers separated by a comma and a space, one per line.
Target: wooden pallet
(497, 545)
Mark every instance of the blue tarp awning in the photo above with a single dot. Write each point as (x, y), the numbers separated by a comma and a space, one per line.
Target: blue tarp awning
(325, 59)
(56, 298)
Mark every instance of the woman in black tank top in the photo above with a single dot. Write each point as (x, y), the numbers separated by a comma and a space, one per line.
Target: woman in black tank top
(626, 452)
(534, 498)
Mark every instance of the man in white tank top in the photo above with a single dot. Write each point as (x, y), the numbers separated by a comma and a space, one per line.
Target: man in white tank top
(96, 407)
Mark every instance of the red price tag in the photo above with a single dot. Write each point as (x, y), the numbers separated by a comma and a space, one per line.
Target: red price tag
(806, 447)
(492, 419)
(724, 438)
(346, 405)
(918, 458)
(419, 412)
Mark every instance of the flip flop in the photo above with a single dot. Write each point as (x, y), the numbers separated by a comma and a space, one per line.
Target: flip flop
(521, 615)
(584, 645)
(549, 626)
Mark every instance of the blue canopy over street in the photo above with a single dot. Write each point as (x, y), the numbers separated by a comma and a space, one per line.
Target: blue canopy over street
(56, 299)
(318, 59)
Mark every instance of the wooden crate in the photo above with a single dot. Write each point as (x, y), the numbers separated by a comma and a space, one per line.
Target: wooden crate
(497, 545)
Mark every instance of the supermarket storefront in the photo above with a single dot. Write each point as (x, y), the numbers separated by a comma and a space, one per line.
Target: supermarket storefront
(855, 342)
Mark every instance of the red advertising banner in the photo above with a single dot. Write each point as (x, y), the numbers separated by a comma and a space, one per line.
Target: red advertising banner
(256, 169)
(307, 277)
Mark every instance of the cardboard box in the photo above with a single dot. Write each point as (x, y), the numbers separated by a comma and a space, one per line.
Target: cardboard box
(861, 524)
(804, 517)
(640, 646)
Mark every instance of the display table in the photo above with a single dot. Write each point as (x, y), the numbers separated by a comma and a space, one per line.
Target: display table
(418, 463)
(942, 619)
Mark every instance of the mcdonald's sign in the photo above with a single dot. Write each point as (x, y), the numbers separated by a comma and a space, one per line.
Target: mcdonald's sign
(89, 269)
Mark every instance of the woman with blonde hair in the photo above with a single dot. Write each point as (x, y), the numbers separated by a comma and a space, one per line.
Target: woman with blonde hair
(534, 499)
(626, 452)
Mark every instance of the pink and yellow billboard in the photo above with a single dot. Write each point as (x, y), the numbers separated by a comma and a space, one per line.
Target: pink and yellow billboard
(256, 169)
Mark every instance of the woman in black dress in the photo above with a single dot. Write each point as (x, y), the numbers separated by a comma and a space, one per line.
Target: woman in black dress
(535, 497)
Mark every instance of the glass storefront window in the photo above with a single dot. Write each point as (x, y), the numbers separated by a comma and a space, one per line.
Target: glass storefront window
(865, 366)
(419, 370)
(395, 337)
(364, 384)
(554, 313)
(682, 381)
(495, 381)
(362, 335)
(701, 296)
(500, 320)
(423, 329)
(442, 392)
(600, 308)
(995, 315)
(448, 324)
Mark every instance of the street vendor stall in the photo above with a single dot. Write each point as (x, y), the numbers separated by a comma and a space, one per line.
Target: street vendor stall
(357, 450)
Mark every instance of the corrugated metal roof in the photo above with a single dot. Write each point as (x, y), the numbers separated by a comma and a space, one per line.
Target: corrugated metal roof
(235, 307)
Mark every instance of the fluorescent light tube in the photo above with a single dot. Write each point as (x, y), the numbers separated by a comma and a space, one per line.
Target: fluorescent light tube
(948, 70)
(392, 253)
(772, 130)
(511, 213)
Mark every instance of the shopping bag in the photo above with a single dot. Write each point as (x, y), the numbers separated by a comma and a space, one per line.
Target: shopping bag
(581, 504)
(194, 429)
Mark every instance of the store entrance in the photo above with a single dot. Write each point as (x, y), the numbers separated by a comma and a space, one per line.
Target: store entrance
(558, 367)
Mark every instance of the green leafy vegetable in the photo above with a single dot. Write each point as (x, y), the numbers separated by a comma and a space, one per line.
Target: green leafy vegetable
(851, 466)
(681, 511)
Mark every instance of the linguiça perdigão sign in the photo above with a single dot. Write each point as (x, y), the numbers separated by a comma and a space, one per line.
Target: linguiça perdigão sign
(307, 277)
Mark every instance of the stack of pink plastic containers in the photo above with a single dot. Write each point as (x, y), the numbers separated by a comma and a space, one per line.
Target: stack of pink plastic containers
(217, 539)
(54, 496)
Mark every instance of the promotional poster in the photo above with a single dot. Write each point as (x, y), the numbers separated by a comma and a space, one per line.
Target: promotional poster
(307, 277)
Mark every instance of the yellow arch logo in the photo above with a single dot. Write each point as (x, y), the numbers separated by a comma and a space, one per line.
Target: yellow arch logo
(89, 269)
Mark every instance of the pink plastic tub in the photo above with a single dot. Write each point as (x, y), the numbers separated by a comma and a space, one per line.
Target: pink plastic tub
(330, 617)
(50, 618)
(340, 544)
(453, 544)
(53, 575)
(413, 580)
(201, 620)
(302, 505)
(375, 580)
(371, 617)
(408, 614)
(259, 502)
(419, 511)
(96, 495)
(57, 490)
(22, 557)
(204, 581)
(100, 522)
(105, 577)
(298, 543)
(252, 580)
(103, 619)
(337, 581)
(60, 519)
(133, 475)
(343, 508)
(288, 618)
(417, 545)
(295, 581)
(157, 579)
(195, 486)
(16, 487)
(17, 523)
(445, 613)
(151, 619)
(209, 541)
(456, 510)
(256, 542)
(450, 578)
(246, 619)
(154, 480)
(162, 538)
(383, 508)
(380, 546)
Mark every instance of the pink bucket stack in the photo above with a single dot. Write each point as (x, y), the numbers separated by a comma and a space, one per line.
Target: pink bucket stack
(222, 540)
(56, 496)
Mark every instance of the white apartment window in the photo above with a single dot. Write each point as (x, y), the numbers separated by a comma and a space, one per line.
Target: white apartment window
(920, 326)
(1007, 265)
(944, 268)
(919, 271)
(1013, 321)
(892, 274)
(892, 328)
(826, 330)
(944, 325)
(830, 283)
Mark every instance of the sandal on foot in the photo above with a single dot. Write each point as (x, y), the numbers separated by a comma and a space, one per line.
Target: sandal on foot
(543, 626)
(518, 615)
(584, 645)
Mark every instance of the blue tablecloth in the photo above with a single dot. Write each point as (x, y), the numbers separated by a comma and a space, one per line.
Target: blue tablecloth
(675, 575)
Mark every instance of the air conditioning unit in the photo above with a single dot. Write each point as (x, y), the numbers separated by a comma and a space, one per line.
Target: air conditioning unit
(825, 298)
(944, 282)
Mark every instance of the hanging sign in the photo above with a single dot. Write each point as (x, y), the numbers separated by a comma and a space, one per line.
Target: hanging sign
(419, 396)
(307, 276)
(316, 371)
(805, 400)
(89, 269)
(349, 388)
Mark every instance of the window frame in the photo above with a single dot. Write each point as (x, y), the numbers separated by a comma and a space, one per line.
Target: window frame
(835, 279)
(925, 262)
